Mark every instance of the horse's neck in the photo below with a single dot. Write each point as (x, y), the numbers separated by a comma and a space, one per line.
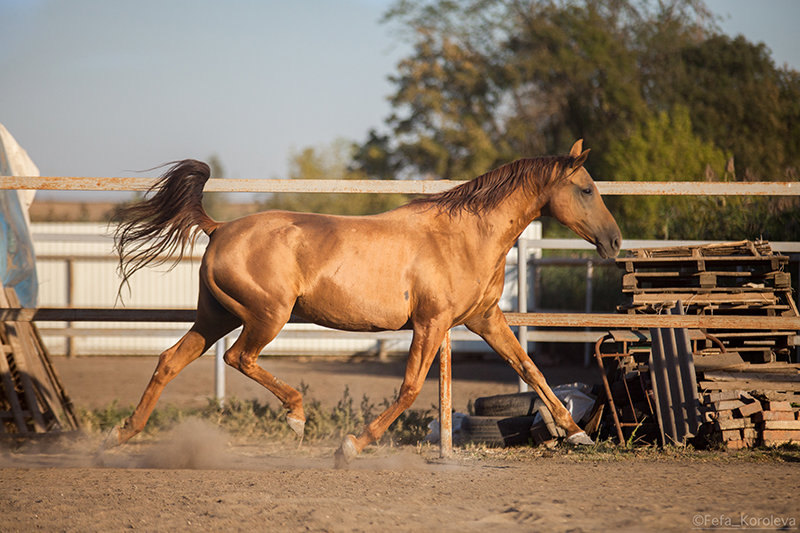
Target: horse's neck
(500, 227)
(510, 218)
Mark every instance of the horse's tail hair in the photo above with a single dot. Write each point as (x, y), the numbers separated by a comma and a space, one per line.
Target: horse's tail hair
(151, 231)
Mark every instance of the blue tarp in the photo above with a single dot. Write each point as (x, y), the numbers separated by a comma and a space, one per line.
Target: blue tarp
(17, 260)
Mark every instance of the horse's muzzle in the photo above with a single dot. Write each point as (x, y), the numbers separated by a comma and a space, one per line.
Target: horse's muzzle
(608, 245)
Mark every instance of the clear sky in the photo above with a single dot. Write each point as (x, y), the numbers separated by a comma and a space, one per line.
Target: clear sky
(105, 87)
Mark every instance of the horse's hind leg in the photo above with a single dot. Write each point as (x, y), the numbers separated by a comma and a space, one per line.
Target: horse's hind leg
(212, 323)
(243, 356)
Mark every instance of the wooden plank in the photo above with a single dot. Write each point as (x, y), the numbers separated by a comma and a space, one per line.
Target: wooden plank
(715, 362)
(11, 396)
(616, 321)
(745, 385)
(52, 394)
(25, 374)
(560, 320)
(721, 375)
(636, 188)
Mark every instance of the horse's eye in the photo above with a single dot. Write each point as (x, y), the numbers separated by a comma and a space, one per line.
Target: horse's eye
(587, 191)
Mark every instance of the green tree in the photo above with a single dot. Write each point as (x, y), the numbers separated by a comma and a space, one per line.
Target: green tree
(216, 203)
(492, 80)
(489, 81)
(741, 102)
(329, 162)
(663, 148)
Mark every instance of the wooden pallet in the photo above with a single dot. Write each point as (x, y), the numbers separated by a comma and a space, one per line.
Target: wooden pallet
(32, 399)
(744, 277)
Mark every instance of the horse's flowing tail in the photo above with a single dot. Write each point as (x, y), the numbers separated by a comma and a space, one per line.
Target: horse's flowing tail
(150, 232)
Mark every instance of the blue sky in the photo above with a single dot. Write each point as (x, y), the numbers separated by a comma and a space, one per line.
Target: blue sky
(105, 87)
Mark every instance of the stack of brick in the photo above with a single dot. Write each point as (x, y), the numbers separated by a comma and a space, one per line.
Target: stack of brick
(778, 423)
(739, 419)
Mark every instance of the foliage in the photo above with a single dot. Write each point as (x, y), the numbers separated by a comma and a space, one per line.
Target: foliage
(215, 202)
(489, 81)
(662, 148)
(253, 419)
(329, 163)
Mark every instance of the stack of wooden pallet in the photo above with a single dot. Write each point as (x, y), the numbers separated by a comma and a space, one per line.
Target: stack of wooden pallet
(741, 278)
(748, 386)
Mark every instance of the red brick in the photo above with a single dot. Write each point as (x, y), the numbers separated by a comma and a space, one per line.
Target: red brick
(750, 434)
(749, 409)
(779, 406)
(728, 405)
(773, 437)
(782, 424)
(734, 423)
(773, 415)
(731, 435)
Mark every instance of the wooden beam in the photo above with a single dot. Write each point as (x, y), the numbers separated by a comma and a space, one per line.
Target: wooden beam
(636, 188)
(559, 320)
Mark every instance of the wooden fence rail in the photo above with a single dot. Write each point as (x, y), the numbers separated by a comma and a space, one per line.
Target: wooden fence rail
(552, 320)
(637, 188)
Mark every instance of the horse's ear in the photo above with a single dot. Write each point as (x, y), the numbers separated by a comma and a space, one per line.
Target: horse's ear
(580, 159)
(577, 148)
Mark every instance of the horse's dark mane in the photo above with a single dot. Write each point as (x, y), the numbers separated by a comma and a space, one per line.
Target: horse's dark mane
(488, 190)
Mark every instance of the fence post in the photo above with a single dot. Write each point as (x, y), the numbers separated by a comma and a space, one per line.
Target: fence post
(588, 307)
(70, 264)
(219, 371)
(522, 298)
(445, 398)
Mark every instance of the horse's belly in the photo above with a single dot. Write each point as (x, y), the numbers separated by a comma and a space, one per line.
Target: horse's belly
(359, 309)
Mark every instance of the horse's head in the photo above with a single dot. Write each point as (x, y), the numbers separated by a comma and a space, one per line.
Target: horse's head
(576, 203)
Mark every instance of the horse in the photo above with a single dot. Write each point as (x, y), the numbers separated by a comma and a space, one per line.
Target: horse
(432, 264)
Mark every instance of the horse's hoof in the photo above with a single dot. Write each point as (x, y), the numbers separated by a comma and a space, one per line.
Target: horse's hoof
(297, 425)
(579, 439)
(111, 440)
(346, 452)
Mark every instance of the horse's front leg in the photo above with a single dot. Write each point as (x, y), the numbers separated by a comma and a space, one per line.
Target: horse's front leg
(495, 330)
(426, 341)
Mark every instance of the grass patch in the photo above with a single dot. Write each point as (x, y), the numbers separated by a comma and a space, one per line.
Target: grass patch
(252, 419)
(609, 451)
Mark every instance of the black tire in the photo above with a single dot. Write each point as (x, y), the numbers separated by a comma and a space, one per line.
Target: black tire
(518, 404)
(499, 430)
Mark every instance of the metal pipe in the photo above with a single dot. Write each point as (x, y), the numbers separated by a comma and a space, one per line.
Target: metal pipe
(219, 370)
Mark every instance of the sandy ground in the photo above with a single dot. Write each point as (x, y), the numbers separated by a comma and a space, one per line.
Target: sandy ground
(195, 478)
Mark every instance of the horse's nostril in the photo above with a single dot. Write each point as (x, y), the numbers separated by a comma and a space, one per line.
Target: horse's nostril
(615, 243)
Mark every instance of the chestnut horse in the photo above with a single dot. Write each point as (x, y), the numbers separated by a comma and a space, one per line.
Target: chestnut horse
(427, 266)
